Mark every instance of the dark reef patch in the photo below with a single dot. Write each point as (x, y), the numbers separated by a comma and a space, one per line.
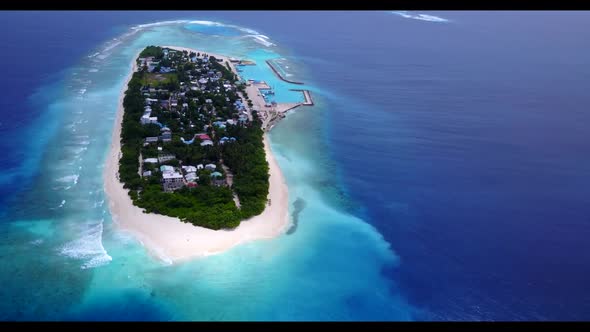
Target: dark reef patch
(298, 206)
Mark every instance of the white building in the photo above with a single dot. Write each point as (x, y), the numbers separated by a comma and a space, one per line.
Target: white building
(189, 169)
(206, 142)
(166, 169)
(150, 160)
(211, 167)
(191, 177)
(145, 119)
(153, 139)
(172, 181)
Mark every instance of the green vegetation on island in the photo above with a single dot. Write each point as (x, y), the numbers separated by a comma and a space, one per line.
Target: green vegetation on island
(190, 146)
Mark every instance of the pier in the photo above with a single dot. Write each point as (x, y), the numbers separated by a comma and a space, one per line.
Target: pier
(279, 74)
(308, 101)
(261, 85)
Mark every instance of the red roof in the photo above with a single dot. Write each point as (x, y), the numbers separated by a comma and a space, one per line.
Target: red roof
(204, 137)
(191, 184)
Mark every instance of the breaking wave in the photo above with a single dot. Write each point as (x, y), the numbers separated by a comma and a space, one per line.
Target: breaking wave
(250, 33)
(421, 17)
(261, 39)
(209, 23)
(88, 248)
(69, 178)
(63, 202)
(36, 242)
(148, 25)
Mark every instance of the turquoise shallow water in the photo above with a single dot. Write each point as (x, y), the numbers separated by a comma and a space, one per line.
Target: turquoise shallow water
(329, 268)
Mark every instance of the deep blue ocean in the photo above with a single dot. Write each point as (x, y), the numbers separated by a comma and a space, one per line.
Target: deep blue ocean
(463, 141)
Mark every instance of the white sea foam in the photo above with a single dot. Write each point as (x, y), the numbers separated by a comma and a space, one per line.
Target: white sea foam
(147, 25)
(421, 17)
(88, 247)
(93, 70)
(99, 203)
(69, 178)
(124, 236)
(36, 242)
(249, 31)
(111, 46)
(261, 39)
(209, 23)
(97, 261)
(78, 151)
(63, 202)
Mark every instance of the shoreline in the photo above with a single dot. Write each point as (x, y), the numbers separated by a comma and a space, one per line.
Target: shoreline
(172, 240)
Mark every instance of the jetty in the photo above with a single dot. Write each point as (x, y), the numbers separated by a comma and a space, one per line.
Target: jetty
(308, 101)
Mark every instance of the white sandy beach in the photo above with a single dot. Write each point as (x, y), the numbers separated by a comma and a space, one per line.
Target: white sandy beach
(172, 240)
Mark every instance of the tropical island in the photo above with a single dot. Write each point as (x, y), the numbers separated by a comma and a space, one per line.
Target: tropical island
(189, 145)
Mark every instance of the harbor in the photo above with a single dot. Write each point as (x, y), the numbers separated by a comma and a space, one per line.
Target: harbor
(280, 75)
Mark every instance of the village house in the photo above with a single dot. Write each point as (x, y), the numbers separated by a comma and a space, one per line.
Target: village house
(149, 140)
(166, 134)
(191, 177)
(164, 157)
(189, 169)
(172, 181)
(166, 169)
(207, 142)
